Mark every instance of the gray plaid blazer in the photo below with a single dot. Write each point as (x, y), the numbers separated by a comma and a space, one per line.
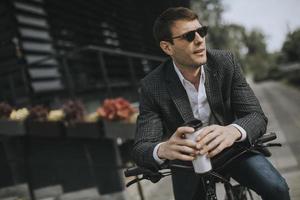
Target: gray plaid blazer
(164, 105)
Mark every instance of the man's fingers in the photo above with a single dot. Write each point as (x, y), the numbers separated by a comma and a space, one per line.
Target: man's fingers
(212, 145)
(205, 131)
(183, 130)
(185, 149)
(186, 142)
(180, 140)
(216, 150)
(208, 138)
(184, 157)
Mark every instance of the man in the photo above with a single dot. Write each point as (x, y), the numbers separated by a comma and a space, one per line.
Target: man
(207, 85)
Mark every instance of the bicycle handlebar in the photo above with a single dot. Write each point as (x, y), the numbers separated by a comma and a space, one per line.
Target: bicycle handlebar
(266, 138)
(155, 176)
(135, 171)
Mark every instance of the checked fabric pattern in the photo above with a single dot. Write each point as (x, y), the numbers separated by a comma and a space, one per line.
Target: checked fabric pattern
(164, 105)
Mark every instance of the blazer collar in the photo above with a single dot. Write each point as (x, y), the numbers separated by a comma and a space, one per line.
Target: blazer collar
(213, 88)
(179, 95)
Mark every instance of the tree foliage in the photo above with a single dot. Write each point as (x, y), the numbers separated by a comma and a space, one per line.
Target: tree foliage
(291, 47)
(248, 46)
(229, 37)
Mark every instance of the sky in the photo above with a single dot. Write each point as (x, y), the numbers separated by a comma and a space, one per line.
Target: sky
(275, 18)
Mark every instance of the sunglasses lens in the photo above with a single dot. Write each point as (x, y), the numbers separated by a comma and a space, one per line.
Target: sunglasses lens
(190, 36)
(202, 31)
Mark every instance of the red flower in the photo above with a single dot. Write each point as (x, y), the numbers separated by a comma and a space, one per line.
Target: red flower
(116, 109)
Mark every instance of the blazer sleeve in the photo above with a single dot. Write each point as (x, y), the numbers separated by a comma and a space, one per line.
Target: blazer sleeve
(246, 107)
(149, 130)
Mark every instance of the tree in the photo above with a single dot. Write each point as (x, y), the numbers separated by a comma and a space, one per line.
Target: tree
(209, 11)
(258, 61)
(248, 47)
(220, 36)
(255, 42)
(291, 47)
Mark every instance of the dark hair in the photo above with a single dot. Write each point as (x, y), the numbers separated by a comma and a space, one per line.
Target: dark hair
(163, 23)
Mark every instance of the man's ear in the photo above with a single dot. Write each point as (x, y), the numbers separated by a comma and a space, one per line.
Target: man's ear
(166, 47)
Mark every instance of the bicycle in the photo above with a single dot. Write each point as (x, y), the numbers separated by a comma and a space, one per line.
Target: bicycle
(236, 192)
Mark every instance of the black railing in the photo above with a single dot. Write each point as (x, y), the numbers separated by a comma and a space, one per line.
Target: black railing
(102, 66)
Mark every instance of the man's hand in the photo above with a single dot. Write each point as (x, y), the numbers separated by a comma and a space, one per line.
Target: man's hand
(177, 147)
(214, 139)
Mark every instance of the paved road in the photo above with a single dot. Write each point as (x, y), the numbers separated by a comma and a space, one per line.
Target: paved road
(281, 104)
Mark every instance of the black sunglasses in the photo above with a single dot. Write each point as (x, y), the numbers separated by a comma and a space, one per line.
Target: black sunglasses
(190, 36)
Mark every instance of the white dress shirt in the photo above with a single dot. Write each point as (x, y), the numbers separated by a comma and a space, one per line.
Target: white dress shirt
(199, 105)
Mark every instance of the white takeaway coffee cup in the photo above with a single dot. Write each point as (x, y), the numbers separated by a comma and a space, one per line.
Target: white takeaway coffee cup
(202, 163)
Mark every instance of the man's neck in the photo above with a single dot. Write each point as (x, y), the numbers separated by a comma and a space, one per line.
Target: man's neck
(192, 74)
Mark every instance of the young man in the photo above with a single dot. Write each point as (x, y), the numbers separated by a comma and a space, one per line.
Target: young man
(207, 85)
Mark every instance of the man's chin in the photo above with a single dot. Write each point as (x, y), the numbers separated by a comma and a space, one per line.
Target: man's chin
(201, 62)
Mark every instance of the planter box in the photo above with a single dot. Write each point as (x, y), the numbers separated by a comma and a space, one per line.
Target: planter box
(20, 191)
(85, 130)
(45, 129)
(12, 127)
(119, 129)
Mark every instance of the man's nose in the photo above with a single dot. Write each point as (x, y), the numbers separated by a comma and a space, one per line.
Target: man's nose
(198, 38)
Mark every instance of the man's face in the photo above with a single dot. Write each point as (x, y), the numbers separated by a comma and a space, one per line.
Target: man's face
(183, 52)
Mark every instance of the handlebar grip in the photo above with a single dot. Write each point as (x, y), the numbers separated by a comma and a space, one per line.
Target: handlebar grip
(135, 171)
(266, 138)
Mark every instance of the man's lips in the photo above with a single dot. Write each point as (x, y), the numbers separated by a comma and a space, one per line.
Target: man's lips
(199, 51)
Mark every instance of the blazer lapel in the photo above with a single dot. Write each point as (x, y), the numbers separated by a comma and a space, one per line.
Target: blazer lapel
(213, 92)
(178, 93)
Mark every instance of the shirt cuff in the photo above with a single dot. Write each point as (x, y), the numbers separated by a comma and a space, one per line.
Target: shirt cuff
(155, 156)
(242, 131)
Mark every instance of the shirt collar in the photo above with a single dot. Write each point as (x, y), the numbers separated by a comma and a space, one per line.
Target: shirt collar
(182, 79)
